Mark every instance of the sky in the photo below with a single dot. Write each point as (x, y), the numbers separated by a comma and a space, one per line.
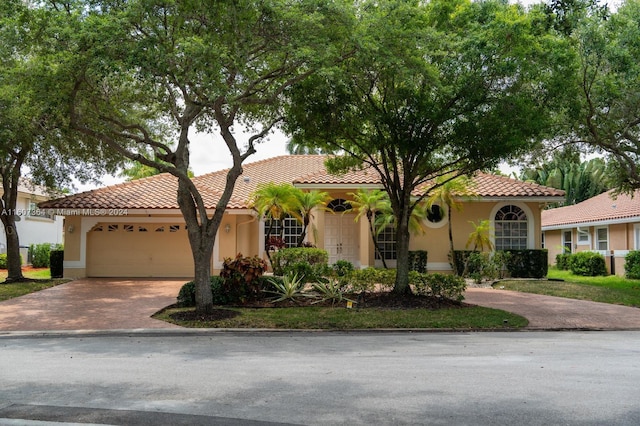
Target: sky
(209, 153)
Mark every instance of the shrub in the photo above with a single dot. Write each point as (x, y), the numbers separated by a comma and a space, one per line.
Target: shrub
(310, 264)
(632, 265)
(562, 261)
(56, 262)
(39, 254)
(418, 261)
(241, 277)
(528, 263)
(330, 289)
(187, 294)
(361, 280)
(3, 261)
(439, 285)
(587, 263)
(343, 268)
(480, 266)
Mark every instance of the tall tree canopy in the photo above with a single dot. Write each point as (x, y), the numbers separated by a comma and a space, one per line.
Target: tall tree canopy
(35, 140)
(436, 88)
(603, 112)
(151, 72)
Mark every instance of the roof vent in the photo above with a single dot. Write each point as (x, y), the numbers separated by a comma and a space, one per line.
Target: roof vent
(246, 179)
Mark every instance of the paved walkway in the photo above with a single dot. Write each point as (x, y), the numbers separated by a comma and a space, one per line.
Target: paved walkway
(92, 304)
(116, 304)
(549, 313)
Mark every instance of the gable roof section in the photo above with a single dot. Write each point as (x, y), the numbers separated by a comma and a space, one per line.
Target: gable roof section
(602, 209)
(159, 192)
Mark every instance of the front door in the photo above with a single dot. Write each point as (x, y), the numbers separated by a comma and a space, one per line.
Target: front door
(341, 237)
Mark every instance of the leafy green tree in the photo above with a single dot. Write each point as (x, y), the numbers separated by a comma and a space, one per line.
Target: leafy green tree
(35, 142)
(150, 72)
(603, 111)
(435, 88)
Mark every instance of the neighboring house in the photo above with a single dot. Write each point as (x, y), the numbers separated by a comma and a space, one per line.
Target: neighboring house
(608, 225)
(35, 226)
(136, 229)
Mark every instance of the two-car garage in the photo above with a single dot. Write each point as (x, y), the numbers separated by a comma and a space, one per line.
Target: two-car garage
(139, 250)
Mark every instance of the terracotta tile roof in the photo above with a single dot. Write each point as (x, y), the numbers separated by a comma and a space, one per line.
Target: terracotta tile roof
(159, 192)
(601, 208)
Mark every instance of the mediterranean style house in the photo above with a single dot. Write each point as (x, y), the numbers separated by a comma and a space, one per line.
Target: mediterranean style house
(606, 224)
(135, 229)
(35, 226)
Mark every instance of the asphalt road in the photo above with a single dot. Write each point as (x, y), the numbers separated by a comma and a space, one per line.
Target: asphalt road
(528, 378)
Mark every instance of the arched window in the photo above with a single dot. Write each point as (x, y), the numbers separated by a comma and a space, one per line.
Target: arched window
(511, 228)
(339, 205)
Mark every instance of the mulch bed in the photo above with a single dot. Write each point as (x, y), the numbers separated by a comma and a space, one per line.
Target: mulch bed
(372, 300)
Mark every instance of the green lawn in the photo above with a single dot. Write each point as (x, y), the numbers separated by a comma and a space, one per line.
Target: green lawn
(606, 289)
(43, 277)
(340, 318)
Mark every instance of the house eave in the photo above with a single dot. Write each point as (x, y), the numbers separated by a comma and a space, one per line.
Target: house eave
(337, 185)
(605, 222)
(123, 211)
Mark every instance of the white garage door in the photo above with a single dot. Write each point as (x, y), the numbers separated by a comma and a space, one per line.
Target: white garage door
(139, 250)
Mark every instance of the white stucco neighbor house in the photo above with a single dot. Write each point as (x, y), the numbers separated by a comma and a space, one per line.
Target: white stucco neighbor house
(36, 226)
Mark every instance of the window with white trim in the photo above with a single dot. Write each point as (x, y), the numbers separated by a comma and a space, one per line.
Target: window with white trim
(289, 229)
(511, 228)
(387, 243)
(636, 238)
(602, 238)
(34, 211)
(567, 242)
(583, 237)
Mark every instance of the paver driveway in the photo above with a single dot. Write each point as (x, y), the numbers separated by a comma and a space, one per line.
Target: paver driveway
(557, 313)
(92, 304)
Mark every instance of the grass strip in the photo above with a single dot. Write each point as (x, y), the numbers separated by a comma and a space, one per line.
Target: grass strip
(327, 318)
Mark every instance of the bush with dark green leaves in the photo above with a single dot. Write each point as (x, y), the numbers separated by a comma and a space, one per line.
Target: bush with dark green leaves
(418, 261)
(588, 263)
(438, 285)
(562, 261)
(370, 279)
(528, 263)
(308, 263)
(187, 294)
(3, 261)
(56, 262)
(242, 278)
(343, 267)
(632, 265)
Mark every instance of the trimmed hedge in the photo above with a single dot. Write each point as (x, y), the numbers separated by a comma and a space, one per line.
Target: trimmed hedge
(632, 265)
(187, 294)
(418, 261)
(528, 263)
(309, 264)
(519, 263)
(439, 285)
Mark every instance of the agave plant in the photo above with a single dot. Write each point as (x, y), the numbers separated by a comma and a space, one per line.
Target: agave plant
(330, 289)
(289, 287)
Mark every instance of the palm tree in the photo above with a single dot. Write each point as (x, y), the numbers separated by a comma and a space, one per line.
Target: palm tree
(369, 203)
(448, 194)
(274, 201)
(306, 202)
(480, 238)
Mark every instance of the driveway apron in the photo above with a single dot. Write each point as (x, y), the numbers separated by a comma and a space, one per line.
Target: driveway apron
(92, 304)
(548, 312)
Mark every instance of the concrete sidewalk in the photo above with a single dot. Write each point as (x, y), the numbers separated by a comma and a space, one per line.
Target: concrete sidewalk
(557, 313)
(92, 304)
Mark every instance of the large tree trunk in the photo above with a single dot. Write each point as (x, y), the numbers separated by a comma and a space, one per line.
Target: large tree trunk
(202, 267)
(402, 250)
(10, 177)
(14, 264)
